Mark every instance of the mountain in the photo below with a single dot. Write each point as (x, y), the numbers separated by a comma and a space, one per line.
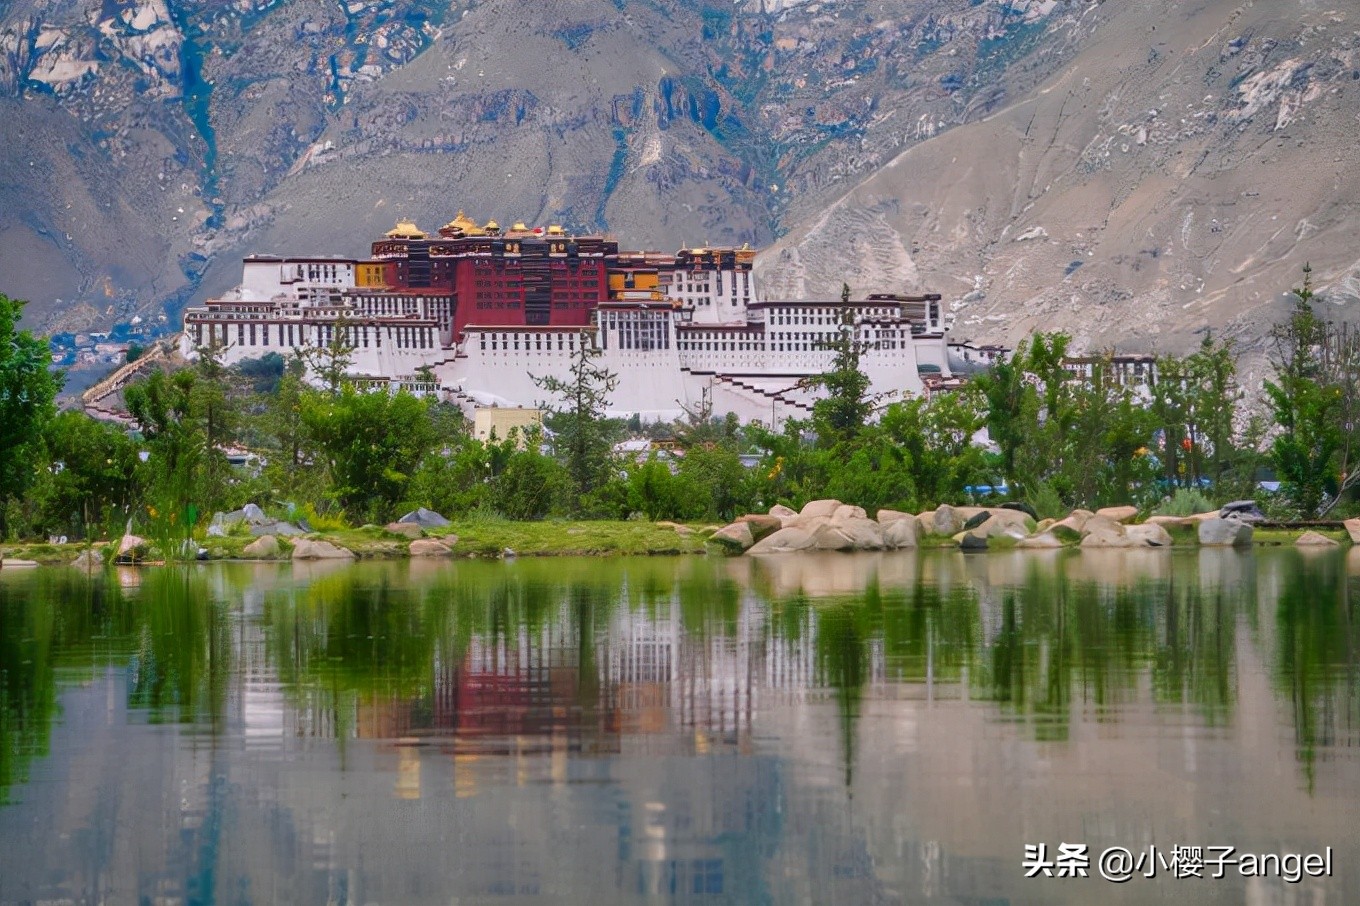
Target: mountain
(1173, 175)
(1132, 172)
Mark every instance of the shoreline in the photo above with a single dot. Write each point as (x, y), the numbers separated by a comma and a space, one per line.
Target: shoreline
(502, 539)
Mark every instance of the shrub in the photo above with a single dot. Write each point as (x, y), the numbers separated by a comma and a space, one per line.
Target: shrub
(1185, 502)
(1047, 502)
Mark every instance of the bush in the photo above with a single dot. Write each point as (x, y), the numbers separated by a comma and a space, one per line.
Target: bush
(1047, 502)
(1185, 502)
(531, 487)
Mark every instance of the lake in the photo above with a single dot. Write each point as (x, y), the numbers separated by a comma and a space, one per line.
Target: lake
(868, 728)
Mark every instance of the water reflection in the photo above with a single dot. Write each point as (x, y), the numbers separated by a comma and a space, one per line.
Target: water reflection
(761, 730)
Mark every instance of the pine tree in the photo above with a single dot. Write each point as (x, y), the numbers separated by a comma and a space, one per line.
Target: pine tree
(578, 414)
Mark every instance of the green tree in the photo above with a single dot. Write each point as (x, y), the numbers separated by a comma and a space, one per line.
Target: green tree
(714, 476)
(936, 436)
(28, 389)
(1012, 411)
(263, 373)
(530, 485)
(370, 443)
(330, 361)
(92, 481)
(583, 436)
(1306, 407)
(285, 432)
(845, 405)
(185, 474)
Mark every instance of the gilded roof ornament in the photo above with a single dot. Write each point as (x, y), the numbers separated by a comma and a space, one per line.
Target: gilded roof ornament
(405, 229)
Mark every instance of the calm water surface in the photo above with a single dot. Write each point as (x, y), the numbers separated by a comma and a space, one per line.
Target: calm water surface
(841, 729)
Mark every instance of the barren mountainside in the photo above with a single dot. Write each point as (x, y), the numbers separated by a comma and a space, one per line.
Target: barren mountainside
(1130, 172)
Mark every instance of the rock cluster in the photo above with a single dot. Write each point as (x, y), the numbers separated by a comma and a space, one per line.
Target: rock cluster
(259, 523)
(827, 525)
(830, 525)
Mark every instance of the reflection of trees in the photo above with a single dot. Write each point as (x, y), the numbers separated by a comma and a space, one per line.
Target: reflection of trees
(842, 664)
(185, 654)
(1316, 652)
(538, 646)
(1195, 646)
(1057, 641)
(62, 625)
(28, 697)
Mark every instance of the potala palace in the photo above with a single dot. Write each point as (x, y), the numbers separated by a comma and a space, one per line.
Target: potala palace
(474, 313)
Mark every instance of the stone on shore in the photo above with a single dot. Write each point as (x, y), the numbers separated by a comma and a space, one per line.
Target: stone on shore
(1101, 535)
(781, 512)
(1217, 532)
(1353, 528)
(89, 560)
(307, 549)
(830, 538)
(1101, 531)
(761, 525)
(733, 538)
(1101, 524)
(976, 519)
(410, 530)
(900, 533)
(947, 520)
(819, 508)
(425, 518)
(1313, 539)
(885, 517)
(132, 549)
(265, 547)
(1073, 522)
(1045, 524)
(1022, 507)
(926, 521)
(865, 534)
(1015, 523)
(971, 542)
(430, 547)
(1244, 510)
(1151, 534)
(846, 511)
(1118, 513)
(784, 541)
(1171, 521)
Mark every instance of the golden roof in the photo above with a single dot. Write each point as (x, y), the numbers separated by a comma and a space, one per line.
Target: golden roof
(464, 224)
(405, 229)
(519, 227)
(555, 230)
(491, 225)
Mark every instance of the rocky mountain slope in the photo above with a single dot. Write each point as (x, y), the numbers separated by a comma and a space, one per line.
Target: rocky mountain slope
(1174, 175)
(1131, 171)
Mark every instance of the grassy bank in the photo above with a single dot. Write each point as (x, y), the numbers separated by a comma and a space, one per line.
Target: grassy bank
(477, 537)
(492, 537)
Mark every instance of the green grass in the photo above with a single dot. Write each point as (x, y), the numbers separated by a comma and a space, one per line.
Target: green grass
(1277, 536)
(489, 536)
(46, 554)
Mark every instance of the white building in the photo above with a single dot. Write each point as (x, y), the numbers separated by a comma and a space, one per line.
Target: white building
(698, 331)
